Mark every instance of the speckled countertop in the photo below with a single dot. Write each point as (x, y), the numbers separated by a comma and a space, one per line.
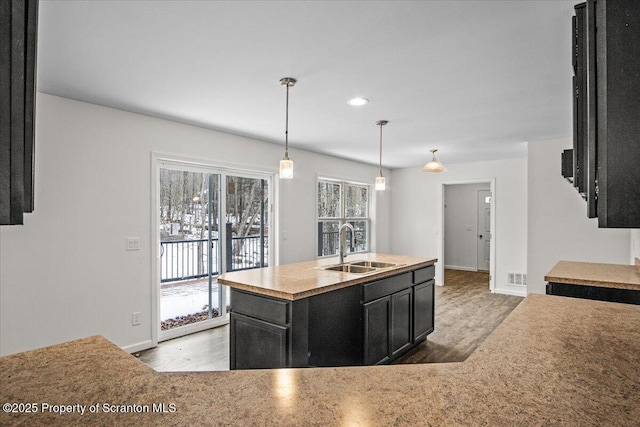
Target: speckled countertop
(305, 279)
(593, 274)
(553, 361)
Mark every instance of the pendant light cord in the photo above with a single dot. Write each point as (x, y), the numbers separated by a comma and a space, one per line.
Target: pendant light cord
(286, 129)
(380, 149)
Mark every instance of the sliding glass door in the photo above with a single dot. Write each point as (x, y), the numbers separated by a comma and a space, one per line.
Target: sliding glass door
(210, 222)
(189, 247)
(247, 233)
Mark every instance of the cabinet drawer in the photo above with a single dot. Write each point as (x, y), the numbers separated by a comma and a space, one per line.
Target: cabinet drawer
(424, 274)
(387, 286)
(260, 307)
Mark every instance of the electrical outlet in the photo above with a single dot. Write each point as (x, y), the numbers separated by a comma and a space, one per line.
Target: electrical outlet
(135, 319)
(518, 279)
(133, 243)
(512, 279)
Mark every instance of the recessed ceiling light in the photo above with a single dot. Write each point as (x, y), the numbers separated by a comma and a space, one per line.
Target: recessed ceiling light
(356, 102)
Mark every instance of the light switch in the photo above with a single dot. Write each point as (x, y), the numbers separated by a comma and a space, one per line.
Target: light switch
(133, 243)
(135, 319)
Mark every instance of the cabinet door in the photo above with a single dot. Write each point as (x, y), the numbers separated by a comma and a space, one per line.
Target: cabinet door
(400, 328)
(376, 331)
(256, 344)
(580, 100)
(423, 315)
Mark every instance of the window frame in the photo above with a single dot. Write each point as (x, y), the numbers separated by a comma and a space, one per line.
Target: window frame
(342, 219)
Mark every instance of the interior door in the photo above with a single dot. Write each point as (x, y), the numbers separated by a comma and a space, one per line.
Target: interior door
(484, 229)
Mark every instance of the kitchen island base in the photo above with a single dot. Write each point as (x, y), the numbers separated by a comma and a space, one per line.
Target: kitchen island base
(364, 324)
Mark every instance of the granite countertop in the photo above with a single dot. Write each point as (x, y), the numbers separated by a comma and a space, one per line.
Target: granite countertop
(553, 361)
(305, 279)
(593, 274)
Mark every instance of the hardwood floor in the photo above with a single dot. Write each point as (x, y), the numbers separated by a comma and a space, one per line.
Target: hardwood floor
(203, 351)
(465, 314)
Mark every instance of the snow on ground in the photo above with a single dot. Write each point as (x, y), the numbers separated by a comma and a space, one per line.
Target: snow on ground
(181, 299)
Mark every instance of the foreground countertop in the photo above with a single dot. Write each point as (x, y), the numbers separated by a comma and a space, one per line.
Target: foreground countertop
(553, 361)
(305, 279)
(594, 274)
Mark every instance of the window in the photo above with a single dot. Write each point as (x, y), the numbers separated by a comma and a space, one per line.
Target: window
(339, 203)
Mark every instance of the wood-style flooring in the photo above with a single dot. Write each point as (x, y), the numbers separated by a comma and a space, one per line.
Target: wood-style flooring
(465, 314)
(203, 351)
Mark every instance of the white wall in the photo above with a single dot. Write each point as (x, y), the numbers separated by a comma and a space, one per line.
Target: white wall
(635, 245)
(558, 225)
(416, 214)
(65, 274)
(461, 225)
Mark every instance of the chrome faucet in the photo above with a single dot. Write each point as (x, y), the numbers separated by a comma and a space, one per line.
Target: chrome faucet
(342, 247)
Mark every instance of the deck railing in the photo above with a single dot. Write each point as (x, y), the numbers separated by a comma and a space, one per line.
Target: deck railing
(187, 259)
(329, 241)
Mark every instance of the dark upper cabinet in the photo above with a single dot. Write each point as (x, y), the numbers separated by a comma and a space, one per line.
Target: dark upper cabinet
(617, 46)
(18, 35)
(606, 116)
(567, 165)
(579, 98)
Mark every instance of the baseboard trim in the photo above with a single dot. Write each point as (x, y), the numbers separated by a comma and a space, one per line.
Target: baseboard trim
(134, 348)
(514, 292)
(457, 267)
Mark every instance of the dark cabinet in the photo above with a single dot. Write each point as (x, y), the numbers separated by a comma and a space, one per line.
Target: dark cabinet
(18, 37)
(423, 312)
(401, 322)
(370, 323)
(567, 165)
(627, 296)
(267, 332)
(606, 129)
(398, 321)
(388, 327)
(257, 344)
(376, 331)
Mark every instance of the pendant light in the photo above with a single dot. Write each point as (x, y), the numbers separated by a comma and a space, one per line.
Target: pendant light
(434, 165)
(380, 185)
(286, 164)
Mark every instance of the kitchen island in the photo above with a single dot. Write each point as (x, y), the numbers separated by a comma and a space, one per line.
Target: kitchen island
(553, 361)
(368, 310)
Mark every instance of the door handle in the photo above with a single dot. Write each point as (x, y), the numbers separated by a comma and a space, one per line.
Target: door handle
(480, 236)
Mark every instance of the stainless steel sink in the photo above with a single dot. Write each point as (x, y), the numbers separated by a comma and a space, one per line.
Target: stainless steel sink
(350, 268)
(375, 264)
(360, 267)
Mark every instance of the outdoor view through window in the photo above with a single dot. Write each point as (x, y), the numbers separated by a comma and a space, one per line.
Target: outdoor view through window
(203, 222)
(338, 203)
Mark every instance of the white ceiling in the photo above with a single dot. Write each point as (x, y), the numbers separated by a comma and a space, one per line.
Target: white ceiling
(475, 79)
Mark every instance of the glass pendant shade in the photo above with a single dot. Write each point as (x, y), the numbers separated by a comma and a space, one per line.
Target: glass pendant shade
(286, 164)
(434, 165)
(380, 185)
(286, 169)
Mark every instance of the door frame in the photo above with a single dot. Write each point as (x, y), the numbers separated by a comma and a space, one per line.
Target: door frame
(440, 229)
(478, 216)
(158, 160)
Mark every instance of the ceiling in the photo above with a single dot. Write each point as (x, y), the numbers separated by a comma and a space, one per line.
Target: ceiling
(475, 79)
